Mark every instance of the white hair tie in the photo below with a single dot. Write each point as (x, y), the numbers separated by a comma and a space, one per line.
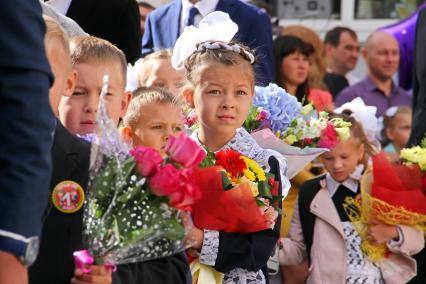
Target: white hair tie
(234, 47)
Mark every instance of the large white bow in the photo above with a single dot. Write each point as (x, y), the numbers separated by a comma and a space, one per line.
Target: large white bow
(366, 116)
(216, 26)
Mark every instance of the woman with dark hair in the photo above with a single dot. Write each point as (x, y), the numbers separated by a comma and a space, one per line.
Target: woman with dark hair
(292, 61)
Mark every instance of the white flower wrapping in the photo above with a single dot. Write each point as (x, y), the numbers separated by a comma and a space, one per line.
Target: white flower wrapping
(296, 157)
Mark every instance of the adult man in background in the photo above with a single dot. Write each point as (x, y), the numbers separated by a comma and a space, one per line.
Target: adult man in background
(381, 54)
(341, 52)
(26, 124)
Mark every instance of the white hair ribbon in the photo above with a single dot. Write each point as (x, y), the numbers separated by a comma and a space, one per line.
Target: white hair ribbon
(216, 26)
(366, 116)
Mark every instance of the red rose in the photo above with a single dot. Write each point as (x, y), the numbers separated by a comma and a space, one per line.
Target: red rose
(185, 151)
(147, 160)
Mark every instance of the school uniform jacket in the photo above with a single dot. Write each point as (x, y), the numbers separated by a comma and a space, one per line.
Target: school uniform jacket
(328, 251)
(61, 233)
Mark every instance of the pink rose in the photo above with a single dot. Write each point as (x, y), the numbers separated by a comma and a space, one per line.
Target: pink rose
(185, 151)
(147, 160)
(187, 192)
(328, 137)
(176, 185)
(164, 182)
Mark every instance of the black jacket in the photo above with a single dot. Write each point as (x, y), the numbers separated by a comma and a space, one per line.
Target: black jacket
(61, 234)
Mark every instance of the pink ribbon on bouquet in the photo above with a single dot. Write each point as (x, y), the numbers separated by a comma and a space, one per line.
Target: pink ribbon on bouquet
(83, 259)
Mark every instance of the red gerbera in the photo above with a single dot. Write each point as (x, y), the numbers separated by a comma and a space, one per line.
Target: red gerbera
(231, 162)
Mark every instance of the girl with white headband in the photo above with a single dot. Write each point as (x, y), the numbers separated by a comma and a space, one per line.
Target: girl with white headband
(220, 87)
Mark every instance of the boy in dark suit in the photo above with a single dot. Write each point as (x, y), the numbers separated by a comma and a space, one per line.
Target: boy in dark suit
(166, 23)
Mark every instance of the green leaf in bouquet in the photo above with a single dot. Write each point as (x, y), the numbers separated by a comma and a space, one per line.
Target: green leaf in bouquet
(264, 189)
(209, 160)
(136, 191)
(226, 182)
(174, 230)
(423, 142)
(251, 123)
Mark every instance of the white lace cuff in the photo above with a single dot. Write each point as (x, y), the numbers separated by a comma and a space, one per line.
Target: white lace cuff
(210, 247)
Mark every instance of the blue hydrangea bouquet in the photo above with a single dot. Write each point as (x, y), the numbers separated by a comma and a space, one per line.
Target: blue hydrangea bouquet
(275, 115)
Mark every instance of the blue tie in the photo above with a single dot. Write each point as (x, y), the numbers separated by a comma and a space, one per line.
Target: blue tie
(192, 13)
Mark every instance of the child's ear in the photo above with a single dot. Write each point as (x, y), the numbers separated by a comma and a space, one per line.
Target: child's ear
(188, 94)
(126, 134)
(361, 152)
(389, 133)
(71, 82)
(125, 101)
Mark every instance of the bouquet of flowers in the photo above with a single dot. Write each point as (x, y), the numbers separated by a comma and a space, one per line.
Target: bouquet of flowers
(392, 193)
(135, 196)
(246, 194)
(278, 121)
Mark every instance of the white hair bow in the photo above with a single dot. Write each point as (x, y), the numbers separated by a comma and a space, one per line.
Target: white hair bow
(216, 26)
(366, 116)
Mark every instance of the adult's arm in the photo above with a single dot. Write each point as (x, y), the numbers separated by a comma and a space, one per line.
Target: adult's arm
(147, 40)
(26, 123)
(260, 38)
(419, 82)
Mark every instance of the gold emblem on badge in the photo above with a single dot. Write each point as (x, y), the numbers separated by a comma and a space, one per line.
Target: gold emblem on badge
(68, 196)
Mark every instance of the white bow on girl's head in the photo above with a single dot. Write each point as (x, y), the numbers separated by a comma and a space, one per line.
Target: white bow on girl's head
(216, 26)
(366, 116)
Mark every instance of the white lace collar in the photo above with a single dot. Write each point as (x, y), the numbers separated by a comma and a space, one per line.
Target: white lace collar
(245, 144)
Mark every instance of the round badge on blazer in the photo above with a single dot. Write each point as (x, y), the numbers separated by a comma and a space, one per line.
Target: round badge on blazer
(68, 196)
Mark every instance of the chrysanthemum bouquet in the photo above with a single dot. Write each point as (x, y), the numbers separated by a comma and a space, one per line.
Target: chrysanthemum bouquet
(134, 198)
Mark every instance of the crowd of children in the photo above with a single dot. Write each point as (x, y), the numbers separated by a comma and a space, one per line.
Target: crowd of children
(218, 83)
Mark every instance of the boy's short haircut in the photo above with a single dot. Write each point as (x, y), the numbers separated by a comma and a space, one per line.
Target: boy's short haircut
(144, 96)
(144, 71)
(89, 48)
(54, 30)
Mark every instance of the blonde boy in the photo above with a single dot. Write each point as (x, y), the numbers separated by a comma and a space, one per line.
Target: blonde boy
(93, 57)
